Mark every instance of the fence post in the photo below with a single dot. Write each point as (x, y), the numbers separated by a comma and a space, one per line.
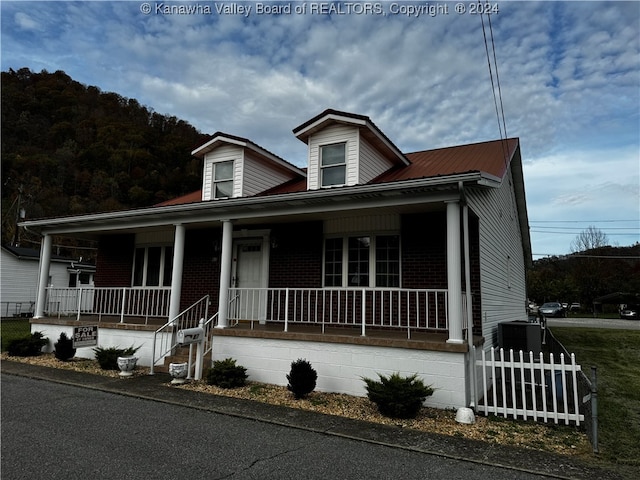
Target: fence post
(364, 312)
(124, 295)
(286, 310)
(594, 408)
(79, 302)
(200, 353)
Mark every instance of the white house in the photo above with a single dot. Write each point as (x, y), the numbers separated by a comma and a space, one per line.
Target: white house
(19, 278)
(368, 260)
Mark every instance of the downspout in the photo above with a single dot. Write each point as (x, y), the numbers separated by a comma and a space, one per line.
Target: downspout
(467, 288)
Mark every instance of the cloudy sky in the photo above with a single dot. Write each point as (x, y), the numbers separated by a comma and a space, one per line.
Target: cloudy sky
(568, 74)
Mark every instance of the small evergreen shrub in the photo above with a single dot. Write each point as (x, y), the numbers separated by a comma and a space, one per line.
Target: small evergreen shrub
(64, 348)
(302, 378)
(108, 357)
(226, 374)
(396, 396)
(28, 346)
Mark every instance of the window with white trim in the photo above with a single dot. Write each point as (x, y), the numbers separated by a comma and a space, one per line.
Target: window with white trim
(152, 266)
(223, 180)
(371, 261)
(333, 165)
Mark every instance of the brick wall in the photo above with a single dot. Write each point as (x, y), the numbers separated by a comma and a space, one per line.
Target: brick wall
(424, 250)
(201, 270)
(297, 259)
(114, 263)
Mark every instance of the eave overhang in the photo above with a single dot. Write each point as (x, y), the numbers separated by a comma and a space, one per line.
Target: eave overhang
(220, 139)
(262, 208)
(367, 128)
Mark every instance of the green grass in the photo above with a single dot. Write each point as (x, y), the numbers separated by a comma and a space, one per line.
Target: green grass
(616, 354)
(11, 328)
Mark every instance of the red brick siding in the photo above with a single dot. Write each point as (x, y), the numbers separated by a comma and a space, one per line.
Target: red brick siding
(424, 254)
(114, 263)
(297, 259)
(201, 270)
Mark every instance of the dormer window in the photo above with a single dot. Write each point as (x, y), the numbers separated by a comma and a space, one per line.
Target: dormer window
(223, 180)
(333, 164)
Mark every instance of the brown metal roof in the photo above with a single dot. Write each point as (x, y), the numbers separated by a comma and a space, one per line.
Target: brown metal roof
(488, 157)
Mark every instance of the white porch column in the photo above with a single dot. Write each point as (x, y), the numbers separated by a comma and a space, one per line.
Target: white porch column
(454, 269)
(225, 273)
(43, 278)
(176, 275)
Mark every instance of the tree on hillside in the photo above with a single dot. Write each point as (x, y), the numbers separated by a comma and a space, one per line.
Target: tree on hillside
(589, 239)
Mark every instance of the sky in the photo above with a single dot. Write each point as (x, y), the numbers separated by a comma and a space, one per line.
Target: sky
(563, 76)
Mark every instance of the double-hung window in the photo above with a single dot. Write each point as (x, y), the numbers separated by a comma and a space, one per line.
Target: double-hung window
(362, 261)
(152, 266)
(223, 179)
(333, 165)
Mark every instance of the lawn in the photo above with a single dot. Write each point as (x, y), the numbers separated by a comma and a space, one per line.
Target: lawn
(616, 354)
(11, 328)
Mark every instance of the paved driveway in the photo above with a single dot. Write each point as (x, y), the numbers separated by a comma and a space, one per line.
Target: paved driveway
(590, 322)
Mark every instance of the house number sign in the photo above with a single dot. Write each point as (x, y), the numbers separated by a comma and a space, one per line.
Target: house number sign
(85, 336)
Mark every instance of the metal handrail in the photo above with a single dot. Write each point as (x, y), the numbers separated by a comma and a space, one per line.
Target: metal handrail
(171, 344)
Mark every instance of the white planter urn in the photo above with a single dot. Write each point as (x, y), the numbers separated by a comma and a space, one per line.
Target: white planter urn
(179, 372)
(127, 365)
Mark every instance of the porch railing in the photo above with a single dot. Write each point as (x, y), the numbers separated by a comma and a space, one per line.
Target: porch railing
(403, 309)
(145, 302)
(164, 338)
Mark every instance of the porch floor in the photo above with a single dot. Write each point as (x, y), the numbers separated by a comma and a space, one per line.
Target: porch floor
(375, 336)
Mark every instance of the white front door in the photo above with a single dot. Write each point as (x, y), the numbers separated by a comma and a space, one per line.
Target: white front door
(249, 278)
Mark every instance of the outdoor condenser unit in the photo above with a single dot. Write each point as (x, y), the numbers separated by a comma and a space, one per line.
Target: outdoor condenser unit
(520, 335)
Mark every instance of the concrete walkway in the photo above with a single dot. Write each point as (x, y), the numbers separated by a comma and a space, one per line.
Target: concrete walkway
(156, 388)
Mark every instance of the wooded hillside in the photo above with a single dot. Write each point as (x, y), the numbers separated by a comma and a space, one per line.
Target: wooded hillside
(73, 149)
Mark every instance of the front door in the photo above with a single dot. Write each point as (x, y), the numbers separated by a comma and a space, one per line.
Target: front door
(249, 279)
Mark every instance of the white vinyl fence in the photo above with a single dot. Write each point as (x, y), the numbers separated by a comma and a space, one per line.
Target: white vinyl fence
(527, 386)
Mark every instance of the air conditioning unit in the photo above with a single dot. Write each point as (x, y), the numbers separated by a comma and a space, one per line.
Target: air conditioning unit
(520, 335)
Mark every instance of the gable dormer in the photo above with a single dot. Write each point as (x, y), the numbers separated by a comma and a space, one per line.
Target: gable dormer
(345, 149)
(236, 167)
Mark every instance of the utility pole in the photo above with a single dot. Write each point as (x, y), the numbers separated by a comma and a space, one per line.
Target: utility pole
(19, 214)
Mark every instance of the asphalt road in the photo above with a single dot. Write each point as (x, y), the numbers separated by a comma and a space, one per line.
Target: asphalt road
(587, 322)
(57, 431)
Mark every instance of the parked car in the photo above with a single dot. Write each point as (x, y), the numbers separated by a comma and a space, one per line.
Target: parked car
(630, 312)
(552, 309)
(574, 306)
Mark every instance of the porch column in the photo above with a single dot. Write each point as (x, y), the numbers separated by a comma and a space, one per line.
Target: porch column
(43, 278)
(454, 269)
(176, 275)
(225, 273)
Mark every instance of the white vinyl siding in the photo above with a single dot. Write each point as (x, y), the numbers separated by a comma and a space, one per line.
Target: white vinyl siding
(19, 277)
(225, 153)
(371, 163)
(502, 263)
(333, 135)
(258, 177)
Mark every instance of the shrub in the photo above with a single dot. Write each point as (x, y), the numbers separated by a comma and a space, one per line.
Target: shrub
(302, 378)
(64, 348)
(396, 396)
(226, 374)
(28, 346)
(108, 357)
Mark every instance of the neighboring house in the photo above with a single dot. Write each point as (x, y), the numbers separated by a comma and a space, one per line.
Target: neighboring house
(19, 269)
(368, 260)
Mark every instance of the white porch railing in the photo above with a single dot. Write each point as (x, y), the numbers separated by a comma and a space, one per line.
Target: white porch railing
(145, 302)
(164, 338)
(403, 309)
(521, 385)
